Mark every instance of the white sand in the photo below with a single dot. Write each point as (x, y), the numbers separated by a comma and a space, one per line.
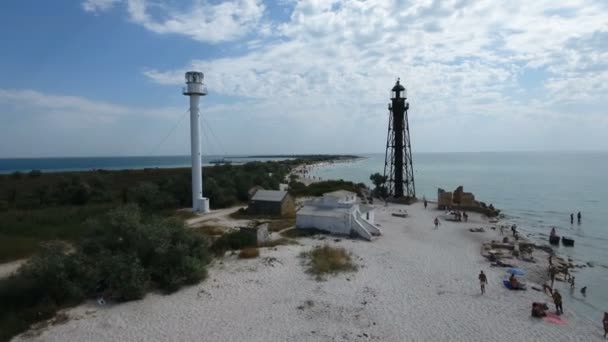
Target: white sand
(415, 283)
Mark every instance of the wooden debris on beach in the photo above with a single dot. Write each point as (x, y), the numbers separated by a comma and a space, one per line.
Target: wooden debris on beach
(402, 215)
(477, 230)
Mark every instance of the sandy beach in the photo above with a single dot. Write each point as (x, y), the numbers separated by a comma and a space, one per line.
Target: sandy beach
(303, 172)
(414, 283)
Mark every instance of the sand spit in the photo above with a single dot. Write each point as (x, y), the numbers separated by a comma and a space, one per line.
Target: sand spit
(414, 283)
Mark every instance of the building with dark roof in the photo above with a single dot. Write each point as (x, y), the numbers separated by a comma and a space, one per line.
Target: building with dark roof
(271, 203)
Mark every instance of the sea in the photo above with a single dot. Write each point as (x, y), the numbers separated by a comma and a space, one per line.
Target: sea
(534, 190)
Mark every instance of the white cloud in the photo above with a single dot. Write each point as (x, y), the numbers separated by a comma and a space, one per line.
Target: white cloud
(202, 21)
(98, 5)
(445, 51)
(327, 70)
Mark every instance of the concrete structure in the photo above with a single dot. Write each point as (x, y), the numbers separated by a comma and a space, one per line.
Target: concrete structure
(195, 89)
(271, 203)
(260, 232)
(338, 212)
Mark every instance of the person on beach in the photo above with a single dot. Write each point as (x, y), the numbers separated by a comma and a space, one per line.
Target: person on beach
(572, 282)
(578, 217)
(584, 291)
(514, 229)
(605, 322)
(557, 299)
(553, 231)
(436, 222)
(466, 217)
(482, 282)
(572, 218)
(552, 273)
(425, 203)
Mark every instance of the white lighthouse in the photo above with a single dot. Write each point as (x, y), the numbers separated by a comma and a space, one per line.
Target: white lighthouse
(195, 89)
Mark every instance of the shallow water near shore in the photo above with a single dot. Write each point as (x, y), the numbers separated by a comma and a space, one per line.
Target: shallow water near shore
(535, 190)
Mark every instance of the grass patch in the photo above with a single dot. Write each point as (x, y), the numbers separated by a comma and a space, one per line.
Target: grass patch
(279, 242)
(249, 253)
(210, 230)
(324, 260)
(232, 241)
(278, 225)
(184, 214)
(295, 233)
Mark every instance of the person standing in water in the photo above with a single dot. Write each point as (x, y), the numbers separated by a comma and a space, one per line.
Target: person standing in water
(578, 217)
(482, 282)
(571, 218)
(426, 203)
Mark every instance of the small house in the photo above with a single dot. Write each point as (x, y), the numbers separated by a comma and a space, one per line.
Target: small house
(271, 203)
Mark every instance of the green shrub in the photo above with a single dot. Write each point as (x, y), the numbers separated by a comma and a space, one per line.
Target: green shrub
(233, 241)
(121, 257)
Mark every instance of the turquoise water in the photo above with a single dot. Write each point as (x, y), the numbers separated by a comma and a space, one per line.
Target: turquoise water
(535, 190)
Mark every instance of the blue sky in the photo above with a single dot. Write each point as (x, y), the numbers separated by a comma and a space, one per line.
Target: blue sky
(103, 77)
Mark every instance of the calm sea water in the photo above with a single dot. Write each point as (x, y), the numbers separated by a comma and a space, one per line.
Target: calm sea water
(110, 163)
(536, 191)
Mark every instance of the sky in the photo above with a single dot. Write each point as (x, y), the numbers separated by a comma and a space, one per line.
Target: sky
(104, 77)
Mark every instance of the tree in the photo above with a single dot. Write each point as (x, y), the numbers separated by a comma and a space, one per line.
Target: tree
(379, 182)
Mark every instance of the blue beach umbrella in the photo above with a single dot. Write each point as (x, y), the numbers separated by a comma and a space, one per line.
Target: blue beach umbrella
(516, 271)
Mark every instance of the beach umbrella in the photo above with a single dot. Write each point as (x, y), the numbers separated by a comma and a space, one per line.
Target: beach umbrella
(516, 271)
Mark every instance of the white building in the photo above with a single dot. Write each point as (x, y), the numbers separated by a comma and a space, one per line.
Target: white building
(338, 212)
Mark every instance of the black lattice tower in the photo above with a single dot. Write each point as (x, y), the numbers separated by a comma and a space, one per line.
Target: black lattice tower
(398, 167)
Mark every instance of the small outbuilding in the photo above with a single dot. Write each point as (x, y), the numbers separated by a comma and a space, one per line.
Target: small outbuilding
(271, 203)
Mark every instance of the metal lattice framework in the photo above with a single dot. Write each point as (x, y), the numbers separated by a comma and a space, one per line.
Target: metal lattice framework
(398, 165)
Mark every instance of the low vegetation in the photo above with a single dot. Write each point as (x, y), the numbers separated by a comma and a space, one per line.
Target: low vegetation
(279, 242)
(210, 230)
(298, 189)
(86, 237)
(120, 258)
(325, 260)
(249, 253)
(38, 206)
(295, 233)
(233, 241)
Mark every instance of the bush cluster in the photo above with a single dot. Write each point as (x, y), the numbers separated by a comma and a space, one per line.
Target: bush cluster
(121, 257)
(233, 241)
(319, 188)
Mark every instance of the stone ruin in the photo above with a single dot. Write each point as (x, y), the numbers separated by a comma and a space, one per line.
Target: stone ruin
(460, 200)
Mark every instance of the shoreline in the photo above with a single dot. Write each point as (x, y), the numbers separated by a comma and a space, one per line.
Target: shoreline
(413, 283)
(303, 171)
